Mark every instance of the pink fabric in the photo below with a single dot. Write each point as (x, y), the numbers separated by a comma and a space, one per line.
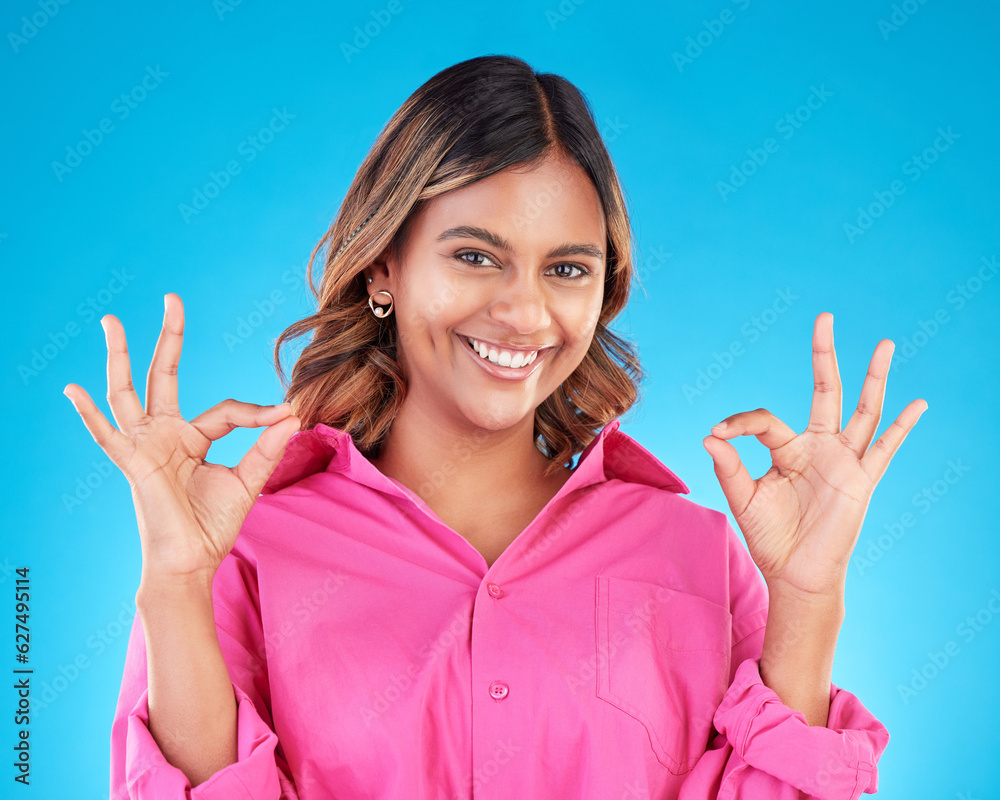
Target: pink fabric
(612, 650)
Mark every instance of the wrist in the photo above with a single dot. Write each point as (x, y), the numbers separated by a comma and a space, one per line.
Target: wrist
(158, 591)
(830, 599)
(802, 626)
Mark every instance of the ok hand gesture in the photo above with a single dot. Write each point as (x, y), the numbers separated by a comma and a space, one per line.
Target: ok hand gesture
(802, 518)
(189, 510)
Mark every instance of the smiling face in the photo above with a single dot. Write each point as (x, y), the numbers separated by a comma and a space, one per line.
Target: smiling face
(514, 261)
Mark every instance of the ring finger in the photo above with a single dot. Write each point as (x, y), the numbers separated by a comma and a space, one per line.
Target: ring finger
(124, 402)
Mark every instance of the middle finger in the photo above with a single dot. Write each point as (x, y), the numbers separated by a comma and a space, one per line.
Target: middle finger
(161, 380)
(824, 415)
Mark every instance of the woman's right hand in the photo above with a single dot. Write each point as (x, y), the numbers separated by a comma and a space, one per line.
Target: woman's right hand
(188, 510)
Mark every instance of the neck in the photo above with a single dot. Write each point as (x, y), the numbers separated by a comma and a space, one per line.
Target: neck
(450, 466)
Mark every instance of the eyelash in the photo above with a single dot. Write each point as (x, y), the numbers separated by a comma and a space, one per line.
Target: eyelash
(583, 270)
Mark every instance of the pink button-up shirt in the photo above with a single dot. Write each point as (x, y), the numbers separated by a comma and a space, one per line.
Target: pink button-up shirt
(610, 652)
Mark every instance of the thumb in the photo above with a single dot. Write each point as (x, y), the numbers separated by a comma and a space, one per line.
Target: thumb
(259, 462)
(736, 483)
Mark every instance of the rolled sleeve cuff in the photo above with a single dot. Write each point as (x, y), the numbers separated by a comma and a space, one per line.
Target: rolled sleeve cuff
(833, 762)
(254, 776)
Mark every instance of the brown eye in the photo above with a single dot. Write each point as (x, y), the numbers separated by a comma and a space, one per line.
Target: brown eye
(461, 257)
(583, 272)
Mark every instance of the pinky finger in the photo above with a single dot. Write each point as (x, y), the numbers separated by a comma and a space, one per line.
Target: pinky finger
(108, 438)
(876, 460)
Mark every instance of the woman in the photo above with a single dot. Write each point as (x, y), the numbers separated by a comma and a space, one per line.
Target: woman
(406, 590)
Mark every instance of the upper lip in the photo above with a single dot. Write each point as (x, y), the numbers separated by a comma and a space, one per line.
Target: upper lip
(509, 347)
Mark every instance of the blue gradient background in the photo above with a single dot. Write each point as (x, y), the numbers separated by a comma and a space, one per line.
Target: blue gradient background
(710, 264)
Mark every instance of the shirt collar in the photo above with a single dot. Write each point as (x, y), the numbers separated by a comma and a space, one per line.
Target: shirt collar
(612, 454)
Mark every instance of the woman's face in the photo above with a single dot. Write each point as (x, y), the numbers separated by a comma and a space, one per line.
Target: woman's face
(515, 261)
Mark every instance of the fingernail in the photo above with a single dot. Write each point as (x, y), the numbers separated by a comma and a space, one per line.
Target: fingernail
(720, 427)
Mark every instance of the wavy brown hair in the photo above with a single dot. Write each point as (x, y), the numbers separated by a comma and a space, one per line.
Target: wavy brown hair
(465, 123)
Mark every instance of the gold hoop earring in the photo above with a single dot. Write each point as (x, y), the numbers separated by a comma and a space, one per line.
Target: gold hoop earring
(380, 311)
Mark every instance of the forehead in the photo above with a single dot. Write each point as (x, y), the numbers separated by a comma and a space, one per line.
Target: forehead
(528, 205)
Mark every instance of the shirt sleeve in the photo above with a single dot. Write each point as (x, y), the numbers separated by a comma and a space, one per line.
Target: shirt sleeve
(761, 748)
(140, 771)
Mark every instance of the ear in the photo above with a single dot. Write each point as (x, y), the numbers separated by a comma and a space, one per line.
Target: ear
(383, 271)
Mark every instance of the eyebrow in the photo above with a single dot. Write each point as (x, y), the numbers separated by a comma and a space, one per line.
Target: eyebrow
(497, 241)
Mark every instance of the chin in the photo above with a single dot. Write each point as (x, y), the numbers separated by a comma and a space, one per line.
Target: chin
(498, 417)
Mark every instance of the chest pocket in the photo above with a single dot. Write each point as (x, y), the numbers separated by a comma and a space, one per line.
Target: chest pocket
(663, 658)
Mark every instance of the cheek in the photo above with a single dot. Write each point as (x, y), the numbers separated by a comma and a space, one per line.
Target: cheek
(436, 302)
(586, 324)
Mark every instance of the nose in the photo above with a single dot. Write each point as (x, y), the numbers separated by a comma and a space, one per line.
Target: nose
(521, 304)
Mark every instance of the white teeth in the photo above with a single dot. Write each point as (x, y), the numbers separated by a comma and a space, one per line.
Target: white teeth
(503, 358)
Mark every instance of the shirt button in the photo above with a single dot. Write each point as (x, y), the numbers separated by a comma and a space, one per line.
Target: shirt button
(498, 691)
(494, 590)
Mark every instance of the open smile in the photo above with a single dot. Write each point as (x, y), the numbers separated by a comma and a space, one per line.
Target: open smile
(504, 373)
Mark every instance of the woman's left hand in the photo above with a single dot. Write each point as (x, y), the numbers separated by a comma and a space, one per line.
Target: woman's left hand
(802, 518)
